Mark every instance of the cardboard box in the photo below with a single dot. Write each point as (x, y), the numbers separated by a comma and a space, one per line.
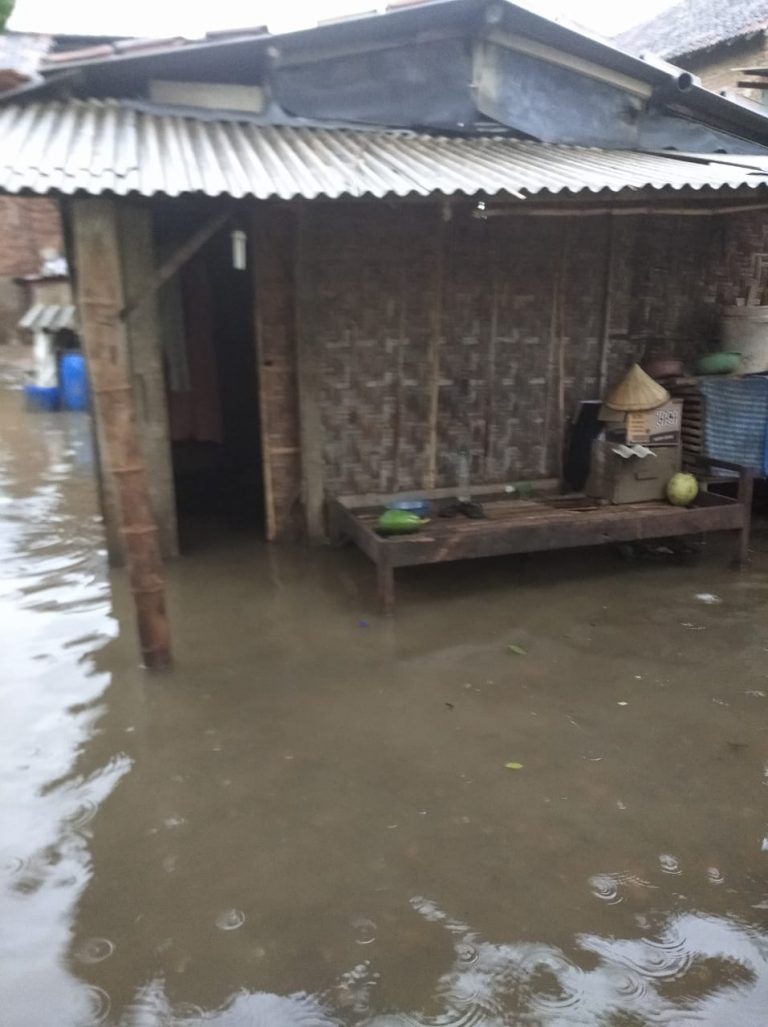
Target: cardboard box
(659, 427)
(632, 479)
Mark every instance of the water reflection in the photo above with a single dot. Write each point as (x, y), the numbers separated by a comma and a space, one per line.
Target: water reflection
(244, 844)
(52, 593)
(696, 970)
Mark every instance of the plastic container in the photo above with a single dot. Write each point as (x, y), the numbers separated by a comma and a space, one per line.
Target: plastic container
(416, 506)
(39, 398)
(718, 363)
(73, 380)
(745, 330)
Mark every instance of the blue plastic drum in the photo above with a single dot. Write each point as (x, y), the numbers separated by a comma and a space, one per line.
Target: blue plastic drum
(73, 379)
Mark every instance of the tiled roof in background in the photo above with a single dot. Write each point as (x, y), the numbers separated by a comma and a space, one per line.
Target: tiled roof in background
(696, 25)
(20, 56)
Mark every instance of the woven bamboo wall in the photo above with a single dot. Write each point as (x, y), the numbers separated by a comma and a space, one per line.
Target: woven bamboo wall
(436, 337)
(404, 305)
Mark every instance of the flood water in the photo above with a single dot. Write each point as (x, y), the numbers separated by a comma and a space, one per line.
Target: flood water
(310, 821)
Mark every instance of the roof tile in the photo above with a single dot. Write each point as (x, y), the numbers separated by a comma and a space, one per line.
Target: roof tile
(696, 25)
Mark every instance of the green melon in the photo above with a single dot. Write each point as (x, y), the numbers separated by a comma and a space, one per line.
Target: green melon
(682, 489)
(399, 522)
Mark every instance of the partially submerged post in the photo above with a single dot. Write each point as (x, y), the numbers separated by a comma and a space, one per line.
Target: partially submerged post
(100, 298)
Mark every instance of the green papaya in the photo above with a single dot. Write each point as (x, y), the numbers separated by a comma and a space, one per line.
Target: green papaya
(399, 522)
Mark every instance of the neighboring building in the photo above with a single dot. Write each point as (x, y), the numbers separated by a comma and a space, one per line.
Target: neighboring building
(30, 227)
(714, 39)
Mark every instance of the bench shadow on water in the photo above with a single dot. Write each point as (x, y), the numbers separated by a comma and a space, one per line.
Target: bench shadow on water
(310, 820)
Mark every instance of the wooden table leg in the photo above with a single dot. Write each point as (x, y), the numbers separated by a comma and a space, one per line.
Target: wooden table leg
(386, 578)
(740, 548)
(336, 533)
(744, 496)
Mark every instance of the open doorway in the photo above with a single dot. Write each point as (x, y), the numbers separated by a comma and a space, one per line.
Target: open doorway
(207, 318)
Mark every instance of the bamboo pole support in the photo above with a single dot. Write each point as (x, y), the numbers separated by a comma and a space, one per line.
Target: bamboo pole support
(310, 413)
(562, 343)
(607, 306)
(444, 214)
(100, 299)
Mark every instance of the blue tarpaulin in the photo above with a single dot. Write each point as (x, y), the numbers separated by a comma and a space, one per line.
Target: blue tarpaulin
(736, 420)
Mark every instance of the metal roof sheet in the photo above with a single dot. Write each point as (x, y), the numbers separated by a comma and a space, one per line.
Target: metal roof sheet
(110, 147)
(50, 317)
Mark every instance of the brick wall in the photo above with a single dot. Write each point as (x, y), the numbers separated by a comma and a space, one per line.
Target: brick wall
(716, 67)
(27, 225)
(497, 312)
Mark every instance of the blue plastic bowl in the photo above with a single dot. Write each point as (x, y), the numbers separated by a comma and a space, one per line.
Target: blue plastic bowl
(416, 506)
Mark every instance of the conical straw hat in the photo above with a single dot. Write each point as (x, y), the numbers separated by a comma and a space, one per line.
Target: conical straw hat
(637, 391)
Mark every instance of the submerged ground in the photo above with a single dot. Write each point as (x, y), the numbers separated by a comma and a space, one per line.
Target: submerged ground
(311, 820)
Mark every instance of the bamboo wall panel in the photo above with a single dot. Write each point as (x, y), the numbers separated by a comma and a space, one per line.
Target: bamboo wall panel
(500, 321)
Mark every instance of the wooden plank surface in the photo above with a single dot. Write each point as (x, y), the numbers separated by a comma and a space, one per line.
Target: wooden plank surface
(531, 526)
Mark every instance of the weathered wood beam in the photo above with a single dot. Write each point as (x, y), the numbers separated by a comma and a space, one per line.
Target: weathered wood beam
(435, 301)
(619, 210)
(105, 344)
(606, 307)
(173, 263)
(147, 372)
(310, 415)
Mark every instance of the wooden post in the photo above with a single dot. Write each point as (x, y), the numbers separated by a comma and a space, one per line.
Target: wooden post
(107, 492)
(134, 223)
(400, 344)
(744, 496)
(100, 299)
(554, 325)
(310, 417)
(435, 337)
(385, 573)
(561, 328)
(605, 314)
(490, 374)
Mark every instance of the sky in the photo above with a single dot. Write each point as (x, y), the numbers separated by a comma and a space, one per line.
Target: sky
(182, 17)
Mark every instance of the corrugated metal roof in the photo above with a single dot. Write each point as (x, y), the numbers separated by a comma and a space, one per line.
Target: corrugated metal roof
(49, 317)
(108, 146)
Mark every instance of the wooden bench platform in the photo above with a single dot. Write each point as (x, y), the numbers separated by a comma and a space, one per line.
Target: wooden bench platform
(537, 524)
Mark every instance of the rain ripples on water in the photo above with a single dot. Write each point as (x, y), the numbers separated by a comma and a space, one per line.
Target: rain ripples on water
(310, 825)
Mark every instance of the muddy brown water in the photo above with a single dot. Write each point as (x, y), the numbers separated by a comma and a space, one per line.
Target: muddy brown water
(310, 822)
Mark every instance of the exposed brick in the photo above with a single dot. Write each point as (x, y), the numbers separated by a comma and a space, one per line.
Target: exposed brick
(27, 226)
